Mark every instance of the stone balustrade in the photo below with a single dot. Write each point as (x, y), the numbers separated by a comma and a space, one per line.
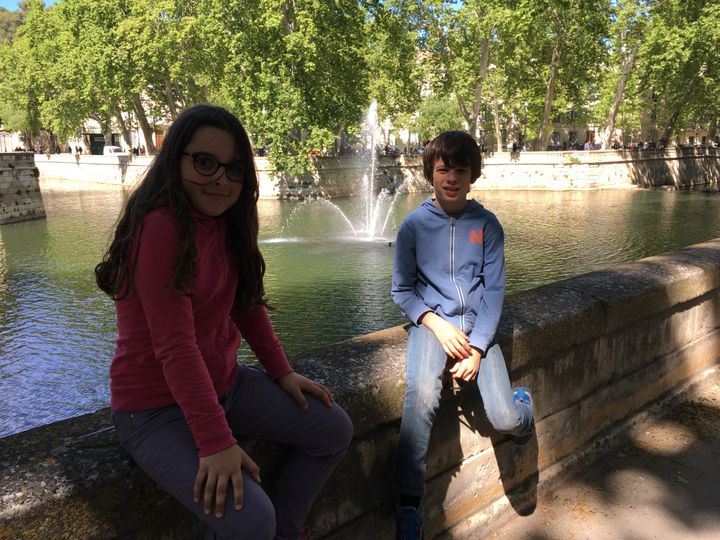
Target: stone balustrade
(597, 350)
(342, 176)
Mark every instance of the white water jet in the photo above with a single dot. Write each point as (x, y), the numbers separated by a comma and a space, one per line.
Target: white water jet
(375, 207)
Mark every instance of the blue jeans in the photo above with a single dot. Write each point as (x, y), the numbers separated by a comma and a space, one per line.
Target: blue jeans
(426, 362)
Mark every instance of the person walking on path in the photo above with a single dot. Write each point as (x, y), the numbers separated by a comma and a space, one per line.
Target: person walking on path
(449, 280)
(186, 275)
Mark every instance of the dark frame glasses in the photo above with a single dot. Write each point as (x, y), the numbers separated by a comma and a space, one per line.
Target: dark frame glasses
(207, 165)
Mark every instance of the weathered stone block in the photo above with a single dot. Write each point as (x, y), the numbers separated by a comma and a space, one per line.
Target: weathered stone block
(20, 197)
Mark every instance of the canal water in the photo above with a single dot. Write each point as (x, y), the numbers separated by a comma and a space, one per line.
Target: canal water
(57, 329)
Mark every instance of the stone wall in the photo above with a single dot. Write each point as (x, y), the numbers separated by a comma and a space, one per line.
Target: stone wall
(621, 169)
(675, 167)
(20, 197)
(596, 350)
(91, 169)
(343, 177)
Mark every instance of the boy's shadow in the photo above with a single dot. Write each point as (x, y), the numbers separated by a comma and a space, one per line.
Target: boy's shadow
(460, 419)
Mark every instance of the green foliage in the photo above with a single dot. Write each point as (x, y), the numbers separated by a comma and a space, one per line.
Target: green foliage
(395, 77)
(437, 113)
(23, 62)
(296, 73)
(300, 73)
(679, 67)
(553, 51)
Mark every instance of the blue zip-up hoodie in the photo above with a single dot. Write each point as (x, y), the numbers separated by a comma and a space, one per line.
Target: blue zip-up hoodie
(453, 266)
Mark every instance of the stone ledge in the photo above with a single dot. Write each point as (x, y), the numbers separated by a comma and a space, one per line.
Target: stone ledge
(595, 349)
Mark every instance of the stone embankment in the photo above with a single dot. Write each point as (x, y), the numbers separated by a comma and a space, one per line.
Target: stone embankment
(20, 197)
(596, 350)
(342, 177)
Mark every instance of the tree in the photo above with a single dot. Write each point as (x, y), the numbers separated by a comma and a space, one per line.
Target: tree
(296, 73)
(554, 49)
(86, 73)
(395, 78)
(630, 18)
(459, 42)
(437, 113)
(679, 60)
(170, 50)
(23, 63)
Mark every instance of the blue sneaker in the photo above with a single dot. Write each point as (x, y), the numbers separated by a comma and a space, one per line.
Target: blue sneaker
(408, 523)
(523, 395)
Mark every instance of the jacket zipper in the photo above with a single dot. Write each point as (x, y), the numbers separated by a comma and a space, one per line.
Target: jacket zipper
(452, 274)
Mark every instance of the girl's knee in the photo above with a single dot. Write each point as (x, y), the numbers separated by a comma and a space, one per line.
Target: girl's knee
(342, 429)
(332, 437)
(256, 519)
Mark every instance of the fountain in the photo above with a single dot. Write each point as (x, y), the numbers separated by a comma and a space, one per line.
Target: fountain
(368, 218)
(375, 207)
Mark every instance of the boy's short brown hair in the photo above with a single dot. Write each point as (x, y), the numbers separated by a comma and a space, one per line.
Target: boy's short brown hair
(456, 149)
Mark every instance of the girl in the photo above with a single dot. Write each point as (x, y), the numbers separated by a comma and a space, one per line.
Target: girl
(186, 274)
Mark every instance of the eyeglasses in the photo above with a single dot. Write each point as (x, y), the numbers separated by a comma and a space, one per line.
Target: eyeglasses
(207, 165)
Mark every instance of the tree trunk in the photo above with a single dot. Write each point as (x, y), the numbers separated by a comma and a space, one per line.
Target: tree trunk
(289, 22)
(471, 117)
(670, 127)
(104, 129)
(619, 93)
(144, 125)
(498, 131)
(338, 139)
(26, 138)
(107, 132)
(543, 134)
(712, 130)
(123, 125)
(196, 95)
(170, 99)
(465, 113)
(181, 98)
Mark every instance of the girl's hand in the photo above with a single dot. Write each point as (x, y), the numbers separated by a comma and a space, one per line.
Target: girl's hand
(454, 341)
(467, 369)
(215, 470)
(295, 384)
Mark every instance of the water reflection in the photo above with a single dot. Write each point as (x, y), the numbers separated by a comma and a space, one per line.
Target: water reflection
(57, 330)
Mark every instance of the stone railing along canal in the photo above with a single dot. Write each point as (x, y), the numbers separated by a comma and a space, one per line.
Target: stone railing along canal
(596, 350)
(338, 177)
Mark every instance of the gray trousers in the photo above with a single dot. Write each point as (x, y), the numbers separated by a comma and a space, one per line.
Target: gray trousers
(162, 445)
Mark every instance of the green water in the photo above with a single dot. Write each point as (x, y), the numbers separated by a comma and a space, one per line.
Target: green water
(57, 330)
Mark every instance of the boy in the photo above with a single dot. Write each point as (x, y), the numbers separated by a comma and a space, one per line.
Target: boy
(449, 280)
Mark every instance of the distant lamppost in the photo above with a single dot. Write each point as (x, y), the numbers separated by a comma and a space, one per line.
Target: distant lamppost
(524, 141)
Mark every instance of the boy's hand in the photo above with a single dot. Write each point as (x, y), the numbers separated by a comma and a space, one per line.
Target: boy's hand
(454, 341)
(467, 369)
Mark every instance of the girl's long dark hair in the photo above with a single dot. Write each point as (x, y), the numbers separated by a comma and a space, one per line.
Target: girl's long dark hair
(162, 187)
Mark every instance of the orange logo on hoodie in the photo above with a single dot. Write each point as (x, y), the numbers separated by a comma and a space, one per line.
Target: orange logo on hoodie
(476, 237)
